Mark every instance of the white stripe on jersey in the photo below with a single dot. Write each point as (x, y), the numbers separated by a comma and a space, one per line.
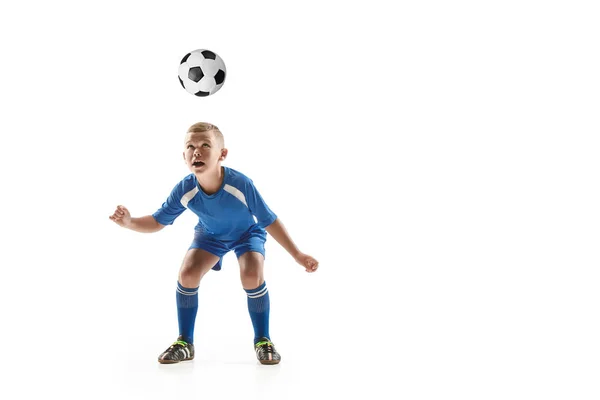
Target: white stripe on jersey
(188, 196)
(236, 192)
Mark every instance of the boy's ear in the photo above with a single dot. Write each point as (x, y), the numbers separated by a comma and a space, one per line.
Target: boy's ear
(223, 154)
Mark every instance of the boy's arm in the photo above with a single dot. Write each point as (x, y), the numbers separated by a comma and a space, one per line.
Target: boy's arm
(146, 224)
(278, 231)
(280, 234)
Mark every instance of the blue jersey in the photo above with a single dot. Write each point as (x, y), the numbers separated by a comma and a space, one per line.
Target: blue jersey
(225, 215)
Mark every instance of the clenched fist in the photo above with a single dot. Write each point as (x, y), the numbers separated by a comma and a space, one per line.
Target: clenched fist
(308, 262)
(121, 216)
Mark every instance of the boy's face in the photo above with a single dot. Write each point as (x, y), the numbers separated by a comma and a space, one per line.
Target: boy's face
(203, 152)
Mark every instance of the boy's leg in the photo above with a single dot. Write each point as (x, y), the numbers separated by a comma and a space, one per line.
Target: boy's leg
(253, 282)
(195, 265)
(252, 276)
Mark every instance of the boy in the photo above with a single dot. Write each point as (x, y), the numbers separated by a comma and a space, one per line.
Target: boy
(226, 203)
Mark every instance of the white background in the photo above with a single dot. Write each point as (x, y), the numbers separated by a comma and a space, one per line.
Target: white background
(440, 160)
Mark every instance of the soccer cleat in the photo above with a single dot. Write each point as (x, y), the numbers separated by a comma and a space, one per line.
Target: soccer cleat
(179, 351)
(265, 351)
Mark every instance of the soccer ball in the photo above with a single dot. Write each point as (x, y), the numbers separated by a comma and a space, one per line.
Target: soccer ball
(202, 72)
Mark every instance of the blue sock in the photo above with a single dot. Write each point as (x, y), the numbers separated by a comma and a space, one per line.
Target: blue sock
(259, 306)
(187, 308)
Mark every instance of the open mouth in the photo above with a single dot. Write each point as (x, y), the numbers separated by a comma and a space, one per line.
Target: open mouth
(197, 163)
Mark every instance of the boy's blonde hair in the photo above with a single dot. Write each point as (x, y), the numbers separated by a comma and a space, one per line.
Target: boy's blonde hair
(205, 127)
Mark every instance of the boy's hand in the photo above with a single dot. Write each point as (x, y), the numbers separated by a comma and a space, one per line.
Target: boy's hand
(121, 216)
(308, 262)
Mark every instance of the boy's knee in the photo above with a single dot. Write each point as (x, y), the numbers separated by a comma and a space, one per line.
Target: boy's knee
(251, 259)
(186, 272)
(192, 273)
(250, 272)
(251, 275)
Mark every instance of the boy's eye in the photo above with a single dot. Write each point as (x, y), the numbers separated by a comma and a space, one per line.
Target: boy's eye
(206, 144)
(190, 146)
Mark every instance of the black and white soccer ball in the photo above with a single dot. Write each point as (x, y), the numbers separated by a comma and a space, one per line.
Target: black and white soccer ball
(202, 72)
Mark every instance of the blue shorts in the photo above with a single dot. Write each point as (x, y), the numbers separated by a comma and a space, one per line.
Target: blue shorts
(253, 240)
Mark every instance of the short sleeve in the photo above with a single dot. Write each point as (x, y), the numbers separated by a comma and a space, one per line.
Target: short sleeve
(172, 208)
(258, 207)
